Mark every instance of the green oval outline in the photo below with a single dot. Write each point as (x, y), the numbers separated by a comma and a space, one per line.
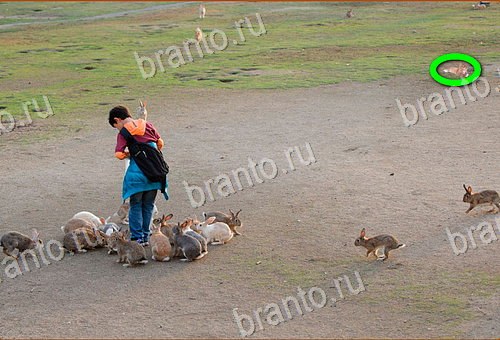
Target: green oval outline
(455, 82)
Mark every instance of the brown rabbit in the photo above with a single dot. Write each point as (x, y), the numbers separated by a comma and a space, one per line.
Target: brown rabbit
(198, 34)
(349, 13)
(387, 242)
(79, 240)
(160, 245)
(461, 71)
(130, 252)
(232, 221)
(77, 223)
(14, 240)
(166, 227)
(483, 197)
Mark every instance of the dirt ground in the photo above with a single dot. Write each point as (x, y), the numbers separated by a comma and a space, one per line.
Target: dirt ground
(299, 228)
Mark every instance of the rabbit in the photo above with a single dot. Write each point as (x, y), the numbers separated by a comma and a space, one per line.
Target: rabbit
(461, 71)
(79, 240)
(167, 230)
(14, 240)
(232, 221)
(200, 238)
(483, 197)
(387, 242)
(112, 243)
(349, 13)
(121, 216)
(202, 11)
(110, 228)
(142, 112)
(479, 6)
(189, 246)
(85, 215)
(217, 233)
(77, 223)
(130, 253)
(198, 34)
(165, 227)
(160, 245)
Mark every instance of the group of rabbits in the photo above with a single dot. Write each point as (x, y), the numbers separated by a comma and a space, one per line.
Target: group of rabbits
(85, 231)
(188, 239)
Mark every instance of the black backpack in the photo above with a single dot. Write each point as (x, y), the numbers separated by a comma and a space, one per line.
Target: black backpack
(149, 159)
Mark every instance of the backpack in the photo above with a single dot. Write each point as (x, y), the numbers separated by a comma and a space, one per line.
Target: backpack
(148, 158)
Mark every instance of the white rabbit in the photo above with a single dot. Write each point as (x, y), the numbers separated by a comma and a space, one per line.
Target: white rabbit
(85, 215)
(217, 233)
(203, 11)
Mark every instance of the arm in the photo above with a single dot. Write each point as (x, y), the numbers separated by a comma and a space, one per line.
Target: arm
(159, 140)
(121, 145)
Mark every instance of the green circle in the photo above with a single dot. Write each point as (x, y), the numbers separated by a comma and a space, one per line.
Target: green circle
(455, 82)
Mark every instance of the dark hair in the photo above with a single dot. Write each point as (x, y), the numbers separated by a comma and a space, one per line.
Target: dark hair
(118, 112)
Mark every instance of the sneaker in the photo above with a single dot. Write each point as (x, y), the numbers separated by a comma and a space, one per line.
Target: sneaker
(144, 243)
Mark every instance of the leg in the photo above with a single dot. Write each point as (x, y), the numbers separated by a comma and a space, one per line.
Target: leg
(470, 208)
(386, 253)
(135, 216)
(10, 252)
(368, 252)
(148, 202)
(498, 206)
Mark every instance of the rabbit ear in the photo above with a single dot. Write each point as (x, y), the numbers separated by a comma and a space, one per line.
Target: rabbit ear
(465, 187)
(140, 103)
(469, 189)
(363, 233)
(102, 220)
(210, 220)
(232, 213)
(168, 217)
(35, 234)
(145, 103)
(237, 213)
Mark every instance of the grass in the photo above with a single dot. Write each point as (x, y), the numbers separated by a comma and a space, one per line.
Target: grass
(442, 299)
(86, 67)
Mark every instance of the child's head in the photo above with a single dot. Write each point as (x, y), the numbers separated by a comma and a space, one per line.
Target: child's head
(117, 114)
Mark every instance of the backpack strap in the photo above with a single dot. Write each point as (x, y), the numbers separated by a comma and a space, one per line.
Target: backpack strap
(128, 136)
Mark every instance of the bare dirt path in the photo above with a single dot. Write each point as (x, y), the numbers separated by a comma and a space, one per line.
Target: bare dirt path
(299, 228)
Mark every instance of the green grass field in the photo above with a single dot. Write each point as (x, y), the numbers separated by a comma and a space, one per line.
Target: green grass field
(86, 66)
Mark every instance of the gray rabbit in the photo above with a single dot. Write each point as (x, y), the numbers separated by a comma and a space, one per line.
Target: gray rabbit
(189, 246)
(14, 240)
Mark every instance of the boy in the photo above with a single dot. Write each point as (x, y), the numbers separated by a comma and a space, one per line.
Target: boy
(136, 186)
